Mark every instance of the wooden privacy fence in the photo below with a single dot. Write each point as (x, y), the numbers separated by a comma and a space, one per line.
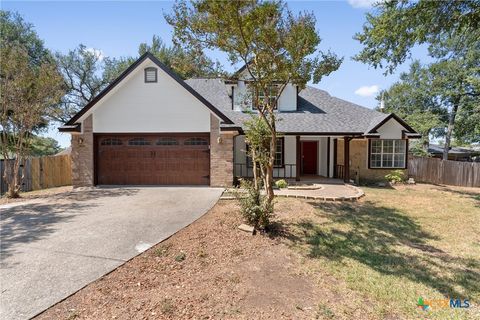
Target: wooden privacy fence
(43, 172)
(455, 173)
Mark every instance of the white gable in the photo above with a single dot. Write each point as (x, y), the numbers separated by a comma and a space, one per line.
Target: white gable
(391, 130)
(162, 106)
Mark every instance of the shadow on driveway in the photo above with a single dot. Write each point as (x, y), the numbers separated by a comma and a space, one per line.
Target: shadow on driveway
(27, 223)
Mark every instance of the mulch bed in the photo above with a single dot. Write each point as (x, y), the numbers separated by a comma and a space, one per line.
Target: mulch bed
(212, 270)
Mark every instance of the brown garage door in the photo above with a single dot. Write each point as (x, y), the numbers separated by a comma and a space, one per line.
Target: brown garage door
(154, 159)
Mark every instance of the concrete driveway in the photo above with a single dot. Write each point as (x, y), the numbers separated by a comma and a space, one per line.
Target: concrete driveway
(52, 247)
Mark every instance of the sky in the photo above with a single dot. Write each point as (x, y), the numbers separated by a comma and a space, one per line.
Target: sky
(116, 28)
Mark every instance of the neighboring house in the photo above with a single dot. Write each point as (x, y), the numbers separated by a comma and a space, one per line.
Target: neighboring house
(151, 127)
(455, 153)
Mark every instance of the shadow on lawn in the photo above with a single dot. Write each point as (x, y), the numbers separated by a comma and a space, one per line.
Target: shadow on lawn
(475, 196)
(387, 241)
(30, 222)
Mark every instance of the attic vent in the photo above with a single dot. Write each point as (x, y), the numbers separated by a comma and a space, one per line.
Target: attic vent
(150, 74)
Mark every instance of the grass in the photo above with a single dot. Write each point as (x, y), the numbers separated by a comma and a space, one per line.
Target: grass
(398, 245)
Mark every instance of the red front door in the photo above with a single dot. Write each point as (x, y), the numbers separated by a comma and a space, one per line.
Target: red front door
(309, 157)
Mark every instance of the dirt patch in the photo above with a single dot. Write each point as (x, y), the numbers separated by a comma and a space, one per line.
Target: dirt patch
(38, 194)
(212, 270)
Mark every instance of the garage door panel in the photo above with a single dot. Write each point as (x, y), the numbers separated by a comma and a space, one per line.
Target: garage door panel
(153, 159)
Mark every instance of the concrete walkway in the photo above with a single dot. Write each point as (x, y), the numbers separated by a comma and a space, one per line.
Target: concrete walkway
(327, 192)
(52, 247)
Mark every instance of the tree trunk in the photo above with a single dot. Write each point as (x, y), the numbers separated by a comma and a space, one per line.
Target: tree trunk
(11, 177)
(448, 135)
(255, 172)
(269, 169)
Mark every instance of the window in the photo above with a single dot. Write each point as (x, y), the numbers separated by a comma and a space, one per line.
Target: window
(278, 162)
(150, 74)
(167, 141)
(387, 153)
(196, 142)
(138, 142)
(111, 142)
(271, 95)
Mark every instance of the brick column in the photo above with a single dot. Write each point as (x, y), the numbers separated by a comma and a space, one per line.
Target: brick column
(221, 155)
(82, 155)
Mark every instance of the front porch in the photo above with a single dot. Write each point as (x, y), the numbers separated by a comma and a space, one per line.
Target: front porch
(302, 159)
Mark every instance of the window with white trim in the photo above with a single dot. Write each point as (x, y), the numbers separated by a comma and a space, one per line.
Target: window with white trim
(387, 153)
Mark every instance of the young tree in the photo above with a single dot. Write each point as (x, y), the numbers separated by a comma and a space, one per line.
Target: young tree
(30, 83)
(276, 47)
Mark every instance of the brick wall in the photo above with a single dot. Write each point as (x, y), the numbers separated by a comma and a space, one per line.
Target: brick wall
(358, 164)
(82, 155)
(221, 155)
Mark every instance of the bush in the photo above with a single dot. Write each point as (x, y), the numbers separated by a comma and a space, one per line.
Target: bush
(396, 176)
(254, 206)
(281, 183)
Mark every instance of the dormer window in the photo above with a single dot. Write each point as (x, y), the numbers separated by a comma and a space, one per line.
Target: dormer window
(271, 95)
(150, 75)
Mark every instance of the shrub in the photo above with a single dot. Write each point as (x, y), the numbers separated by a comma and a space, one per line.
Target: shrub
(396, 176)
(281, 183)
(255, 208)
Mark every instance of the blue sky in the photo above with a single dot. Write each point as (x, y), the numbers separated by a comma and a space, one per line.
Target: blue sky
(117, 27)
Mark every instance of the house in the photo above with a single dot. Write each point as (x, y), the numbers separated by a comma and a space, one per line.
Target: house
(151, 127)
(469, 154)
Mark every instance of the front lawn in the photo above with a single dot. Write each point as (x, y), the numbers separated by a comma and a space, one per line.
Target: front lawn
(371, 259)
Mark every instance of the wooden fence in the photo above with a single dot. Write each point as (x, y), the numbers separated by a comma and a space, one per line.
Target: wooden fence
(43, 172)
(455, 173)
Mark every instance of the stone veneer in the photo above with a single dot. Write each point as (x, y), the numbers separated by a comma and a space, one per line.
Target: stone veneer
(82, 155)
(221, 155)
(358, 162)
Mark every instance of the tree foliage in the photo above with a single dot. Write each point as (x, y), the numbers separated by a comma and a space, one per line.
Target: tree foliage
(451, 31)
(30, 84)
(276, 47)
(84, 78)
(43, 146)
(396, 26)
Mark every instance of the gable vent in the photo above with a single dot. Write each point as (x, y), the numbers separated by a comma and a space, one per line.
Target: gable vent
(150, 74)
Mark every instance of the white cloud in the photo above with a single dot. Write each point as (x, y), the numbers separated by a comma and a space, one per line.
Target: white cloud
(367, 91)
(362, 3)
(97, 52)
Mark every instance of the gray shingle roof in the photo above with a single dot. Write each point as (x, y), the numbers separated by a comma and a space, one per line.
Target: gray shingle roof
(318, 112)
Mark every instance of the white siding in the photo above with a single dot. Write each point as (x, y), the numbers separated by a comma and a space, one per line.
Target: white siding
(288, 99)
(391, 130)
(136, 106)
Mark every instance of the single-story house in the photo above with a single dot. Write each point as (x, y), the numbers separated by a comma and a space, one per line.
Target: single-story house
(151, 127)
(455, 153)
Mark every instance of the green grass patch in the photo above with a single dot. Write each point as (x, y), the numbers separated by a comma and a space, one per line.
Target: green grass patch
(399, 245)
